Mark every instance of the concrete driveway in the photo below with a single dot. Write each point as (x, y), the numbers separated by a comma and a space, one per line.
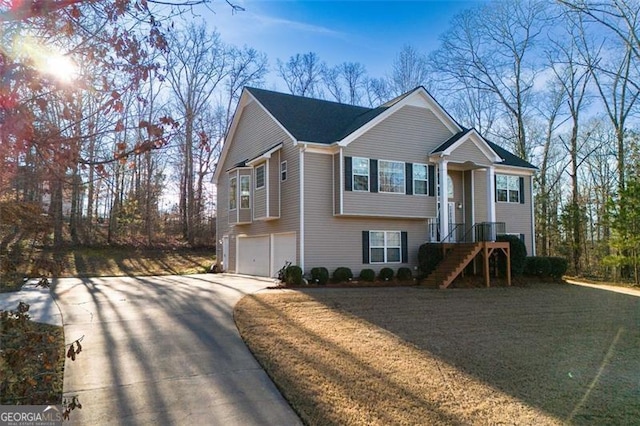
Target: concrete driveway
(164, 351)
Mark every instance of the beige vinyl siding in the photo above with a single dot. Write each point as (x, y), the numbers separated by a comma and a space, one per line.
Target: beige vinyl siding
(260, 195)
(480, 195)
(468, 151)
(333, 241)
(274, 185)
(256, 133)
(516, 216)
(406, 136)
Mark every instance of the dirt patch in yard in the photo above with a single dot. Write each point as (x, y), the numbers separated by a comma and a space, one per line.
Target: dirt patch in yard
(544, 354)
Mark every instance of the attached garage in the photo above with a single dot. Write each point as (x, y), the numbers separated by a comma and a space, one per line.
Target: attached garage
(253, 256)
(283, 249)
(265, 255)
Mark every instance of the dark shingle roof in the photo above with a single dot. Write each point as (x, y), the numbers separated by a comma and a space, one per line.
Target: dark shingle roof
(314, 120)
(509, 158)
(453, 139)
(320, 121)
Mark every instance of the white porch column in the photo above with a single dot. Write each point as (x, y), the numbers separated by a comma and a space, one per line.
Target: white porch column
(444, 199)
(491, 200)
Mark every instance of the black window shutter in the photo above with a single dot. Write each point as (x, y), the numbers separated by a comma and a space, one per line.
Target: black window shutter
(495, 189)
(408, 178)
(405, 247)
(521, 190)
(373, 175)
(348, 176)
(432, 180)
(365, 247)
(522, 238)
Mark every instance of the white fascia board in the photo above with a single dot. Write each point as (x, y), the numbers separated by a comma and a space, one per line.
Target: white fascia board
(266, 155)
(419, 97)
(515, 170)
(479, 142)
(320, 148)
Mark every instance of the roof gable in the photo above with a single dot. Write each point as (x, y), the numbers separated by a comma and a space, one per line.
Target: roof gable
(312, 120)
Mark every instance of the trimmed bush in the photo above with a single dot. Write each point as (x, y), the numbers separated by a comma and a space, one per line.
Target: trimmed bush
(537, 266)
(293, 275)
(342, 274)
(429, 255)
(558, 266)
(386, 274)
(518, 252)
(368, 275)
(405, 274)
(319, 275)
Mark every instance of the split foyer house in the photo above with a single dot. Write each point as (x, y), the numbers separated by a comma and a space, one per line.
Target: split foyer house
(320, 183)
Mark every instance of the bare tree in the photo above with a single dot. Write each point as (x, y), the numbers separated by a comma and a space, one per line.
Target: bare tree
(196, 65)
(377, 91)
(302, 74)
(573, 78)
(410, 70)
(346, 82)
(491, 48)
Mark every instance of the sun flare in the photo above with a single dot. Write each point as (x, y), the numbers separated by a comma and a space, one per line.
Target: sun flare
(60, 67)
(48, 60)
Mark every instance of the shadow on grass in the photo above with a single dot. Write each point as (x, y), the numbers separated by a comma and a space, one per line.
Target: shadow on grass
(571, 351)
(323, 402)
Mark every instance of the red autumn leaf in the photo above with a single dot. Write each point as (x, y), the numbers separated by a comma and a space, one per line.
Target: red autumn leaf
(75, 12)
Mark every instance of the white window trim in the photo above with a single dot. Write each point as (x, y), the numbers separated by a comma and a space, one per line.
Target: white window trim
(507, 201)
(354, 174)
(264, 175)
(426, 180)
(385, 247)
(235, 205)
(240, 191)
(404, 180)
(283, 169)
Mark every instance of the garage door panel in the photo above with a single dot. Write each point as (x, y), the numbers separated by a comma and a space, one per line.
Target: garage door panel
(253, 256)
(284, 250)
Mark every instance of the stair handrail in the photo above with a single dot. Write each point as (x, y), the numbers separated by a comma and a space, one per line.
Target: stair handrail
(495, 229)
(453, 230)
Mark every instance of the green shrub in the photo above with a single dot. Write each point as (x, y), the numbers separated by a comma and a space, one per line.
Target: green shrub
(537, 266)
(319, 275)
(405, 274)
(293, 275)
(368, 275)
(386, 274)
(558, 266)
(342, 274)
(429, 255)
(518, 252)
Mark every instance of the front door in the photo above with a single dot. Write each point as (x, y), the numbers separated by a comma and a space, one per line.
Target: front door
(451, 214)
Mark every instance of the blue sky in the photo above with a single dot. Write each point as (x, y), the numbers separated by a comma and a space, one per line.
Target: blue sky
(369, 32)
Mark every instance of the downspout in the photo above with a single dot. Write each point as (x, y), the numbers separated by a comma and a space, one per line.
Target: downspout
(301, 262)
(341, 189)
(533, 219)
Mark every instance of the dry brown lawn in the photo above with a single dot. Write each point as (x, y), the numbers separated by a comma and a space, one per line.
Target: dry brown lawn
(544, 354)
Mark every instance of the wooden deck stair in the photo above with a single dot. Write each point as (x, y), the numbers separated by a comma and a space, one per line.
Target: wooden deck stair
(453, 264)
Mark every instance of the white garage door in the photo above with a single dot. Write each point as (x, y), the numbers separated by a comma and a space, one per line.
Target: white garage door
(253, 256)
(284, 250)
